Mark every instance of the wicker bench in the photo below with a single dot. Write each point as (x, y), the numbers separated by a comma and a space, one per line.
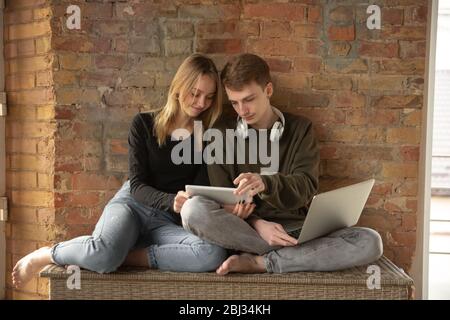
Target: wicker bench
(154, 284)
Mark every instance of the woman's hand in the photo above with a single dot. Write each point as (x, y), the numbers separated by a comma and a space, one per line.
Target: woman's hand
(273, 233)
(242, 210)
(179, 200)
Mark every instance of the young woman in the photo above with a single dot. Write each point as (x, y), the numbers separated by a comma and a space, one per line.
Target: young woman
(141, 225)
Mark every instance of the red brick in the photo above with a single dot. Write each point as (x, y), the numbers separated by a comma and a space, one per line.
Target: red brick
(384, 117)
(395, 204)
(111, 62)
(42, 13)
(65, 78)
(44, 79)
(378, 49)
(230, 46)
(342, 14)
(290, 81)
(310, 100)
(278, 65)
(280, 11)
(398, 101)
(179, 29)
(68, 165)
(79, 216)
(25, 47)
(16, 17)
(374, 202)
(412, 49)
(356, 117)
(32, 198)
(82, 44)
(406, 188)
(416, 15)
(347, 99)
(341, 33)
(314, 14)
(275, 29)
(403, 239)
(410, 153)
(313, 47)
(340, 65)
(382, 83)
(99, 78)
(95, 11)
(225, 29)
(409, 222)
(358, 152)
(24, 3)
(113, 27)
(29, 30)
(86, 181)
(119, 146)
(402, 66)
(383, 188)
(332, 83)
(403, 33)
(392, 16)
(21, 247)
(311, 65)
(121, 45)
(403, 135)
(20, 81)
(317, 115)
(400, 170)
(338, 48)
(272, 47)
(35, 97)
(379, 220)
(77, 199)
(10, 50)
(33, 63)
(412, 117)
(411, 205)
(212, 12)
(306, 31)
(328, 152)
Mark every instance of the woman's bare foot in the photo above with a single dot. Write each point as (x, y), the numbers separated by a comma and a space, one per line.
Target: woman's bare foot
(27, 267)
(244, 263)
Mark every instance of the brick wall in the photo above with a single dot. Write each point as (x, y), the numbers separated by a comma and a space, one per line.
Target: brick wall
(30, 131)
(71, 99)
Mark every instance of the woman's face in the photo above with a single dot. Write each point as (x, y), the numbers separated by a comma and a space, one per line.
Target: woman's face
(200, 97)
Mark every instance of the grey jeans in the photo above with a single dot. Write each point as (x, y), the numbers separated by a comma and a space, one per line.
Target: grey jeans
(127, 224)
(341, 249)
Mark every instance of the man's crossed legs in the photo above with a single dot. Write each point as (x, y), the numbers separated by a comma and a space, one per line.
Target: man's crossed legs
(345, 248)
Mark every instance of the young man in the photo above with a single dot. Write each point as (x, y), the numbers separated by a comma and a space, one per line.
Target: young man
(263, 231)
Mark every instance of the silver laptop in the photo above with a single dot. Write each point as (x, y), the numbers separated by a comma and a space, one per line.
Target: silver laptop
(334, 210)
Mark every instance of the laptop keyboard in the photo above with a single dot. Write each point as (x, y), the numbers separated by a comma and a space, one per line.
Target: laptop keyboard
(295, 233)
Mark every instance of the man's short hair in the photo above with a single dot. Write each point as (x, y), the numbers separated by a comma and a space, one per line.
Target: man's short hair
(243, 69)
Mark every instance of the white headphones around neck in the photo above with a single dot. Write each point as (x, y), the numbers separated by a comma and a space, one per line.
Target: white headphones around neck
(275, 133)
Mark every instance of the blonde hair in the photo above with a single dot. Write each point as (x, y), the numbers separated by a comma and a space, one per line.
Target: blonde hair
(183, 82)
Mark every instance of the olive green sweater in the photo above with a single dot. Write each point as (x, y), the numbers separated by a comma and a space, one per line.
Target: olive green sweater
(289, 191)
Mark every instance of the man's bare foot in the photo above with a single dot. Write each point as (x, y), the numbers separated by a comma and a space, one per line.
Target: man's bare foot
(27, 267)
(244, 263)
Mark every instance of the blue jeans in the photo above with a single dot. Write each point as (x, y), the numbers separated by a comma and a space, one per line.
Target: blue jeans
(126, 224)
(345, 248)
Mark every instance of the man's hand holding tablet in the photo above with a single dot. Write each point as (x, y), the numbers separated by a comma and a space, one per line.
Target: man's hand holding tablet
(239, 205)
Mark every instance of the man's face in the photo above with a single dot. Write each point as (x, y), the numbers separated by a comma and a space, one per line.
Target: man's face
(251, 102)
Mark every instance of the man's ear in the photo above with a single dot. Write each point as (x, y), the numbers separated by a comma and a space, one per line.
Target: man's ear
(269, 89)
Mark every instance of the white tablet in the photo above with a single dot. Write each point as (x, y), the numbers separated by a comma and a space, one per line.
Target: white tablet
(220, 194)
